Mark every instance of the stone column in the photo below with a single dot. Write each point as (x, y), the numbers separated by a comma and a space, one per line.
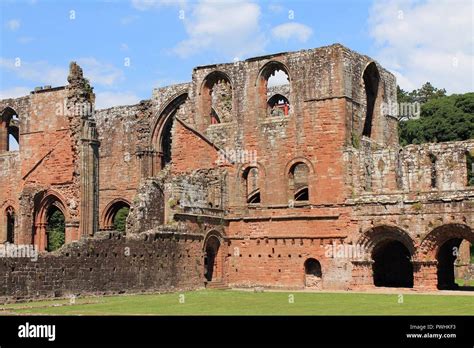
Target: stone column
(146, 160)
(89, 222)
(3, 137)
(40, 238)
(80, 104)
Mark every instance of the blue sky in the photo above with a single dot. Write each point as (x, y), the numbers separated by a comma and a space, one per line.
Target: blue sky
(163, 40)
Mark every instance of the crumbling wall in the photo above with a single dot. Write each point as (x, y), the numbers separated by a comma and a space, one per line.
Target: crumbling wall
(434, 168)
(148, 206)
(120, 130)
(163, 260)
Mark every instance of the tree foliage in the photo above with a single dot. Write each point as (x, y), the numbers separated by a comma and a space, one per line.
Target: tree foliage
(442, 118)
(120, 219)
(56, 230)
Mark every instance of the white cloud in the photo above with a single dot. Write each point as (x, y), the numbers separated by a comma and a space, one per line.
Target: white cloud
(426, 41)
(13, 24)
(292, 30)
(109, 99)
(100, 73)
(278, 78)
(40, 72)
(231, 28)
(14, 92)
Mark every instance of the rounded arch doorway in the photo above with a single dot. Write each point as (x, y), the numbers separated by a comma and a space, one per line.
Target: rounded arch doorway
(212, 259)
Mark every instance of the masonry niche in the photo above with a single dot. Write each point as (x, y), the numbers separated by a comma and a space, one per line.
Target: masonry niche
(298, 182)
(251, 184)
(313, 274)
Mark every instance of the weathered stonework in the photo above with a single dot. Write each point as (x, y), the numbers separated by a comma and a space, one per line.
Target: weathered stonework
(328, 173)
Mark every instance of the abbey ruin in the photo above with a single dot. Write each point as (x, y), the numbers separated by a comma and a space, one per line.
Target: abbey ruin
(231, 181)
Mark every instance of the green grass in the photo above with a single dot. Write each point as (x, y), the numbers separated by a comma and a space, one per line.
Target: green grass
(462, 282)
(206, 302)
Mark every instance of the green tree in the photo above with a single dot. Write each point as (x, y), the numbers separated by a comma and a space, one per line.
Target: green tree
(426, 92)
(442, 118)
(120, 219)
(55, 230)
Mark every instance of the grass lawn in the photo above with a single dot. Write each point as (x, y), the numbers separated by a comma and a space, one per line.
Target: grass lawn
(218, 302)
(462, 282)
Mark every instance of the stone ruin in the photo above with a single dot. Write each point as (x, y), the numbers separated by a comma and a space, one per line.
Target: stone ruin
(328, 177)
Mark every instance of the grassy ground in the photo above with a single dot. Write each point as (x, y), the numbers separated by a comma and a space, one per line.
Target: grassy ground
(207, 302)
(462, 282)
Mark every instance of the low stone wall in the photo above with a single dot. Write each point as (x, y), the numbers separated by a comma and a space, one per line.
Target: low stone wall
(105, 264)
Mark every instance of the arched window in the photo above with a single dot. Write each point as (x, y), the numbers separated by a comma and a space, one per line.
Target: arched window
(274, 89)
(55, 229)
(50, 217)
(371, 79)
(166, 142)
(162, 139)
(252, 185)
(9, 131)
(299, 173)
(216, 97)
(115, 215)
(278, 105)
(10, 215)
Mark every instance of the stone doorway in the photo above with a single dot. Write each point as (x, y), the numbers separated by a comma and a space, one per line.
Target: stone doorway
(392, 265)
(212, 264)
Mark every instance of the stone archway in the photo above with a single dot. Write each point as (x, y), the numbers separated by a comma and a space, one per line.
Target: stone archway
(392, 265)
(213, 258)
(108, 220)
(46, 203)
(388, 252)
(440, 248)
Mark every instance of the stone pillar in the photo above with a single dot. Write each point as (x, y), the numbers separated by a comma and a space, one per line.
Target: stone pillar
(80, 104)
(3, 136)
(40, 238)
(425, 275)
(146, 160)
(89, 156)
(463, 261)
(3, 227)
(71, 232)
